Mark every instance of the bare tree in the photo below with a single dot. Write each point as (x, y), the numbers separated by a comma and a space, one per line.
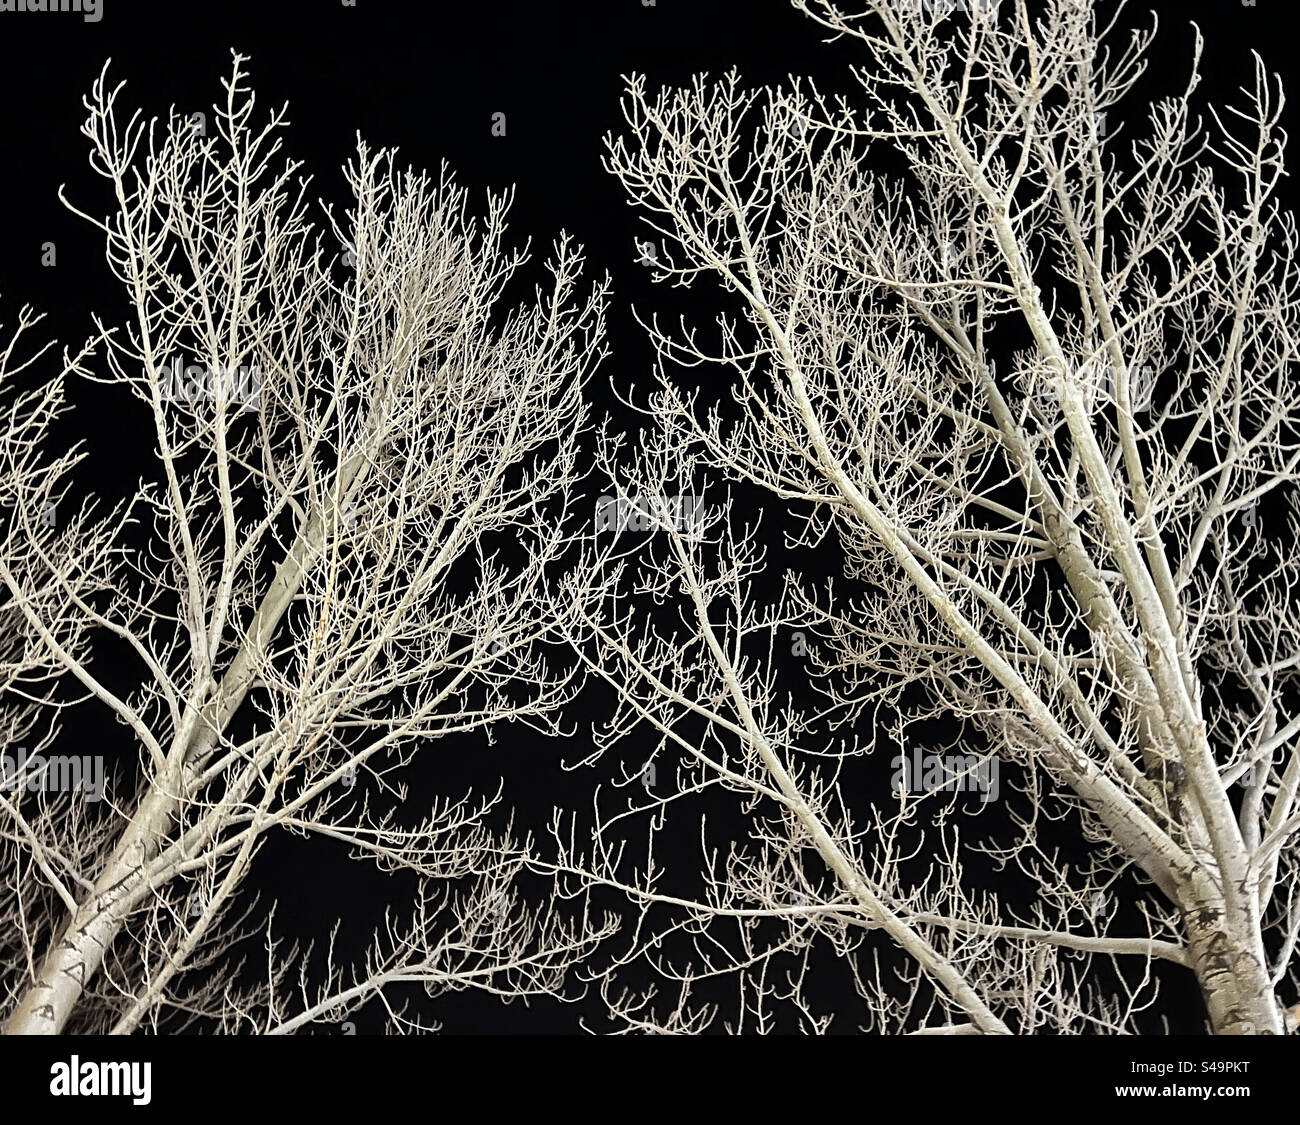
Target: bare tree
(1028, 380)
(46, 547)
(364, 470)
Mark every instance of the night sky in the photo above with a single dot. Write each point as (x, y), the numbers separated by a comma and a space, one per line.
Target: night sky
(428, 79)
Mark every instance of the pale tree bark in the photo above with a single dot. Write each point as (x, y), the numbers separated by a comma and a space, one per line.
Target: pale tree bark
(1036, 389)
(313, 587)
(48, 545)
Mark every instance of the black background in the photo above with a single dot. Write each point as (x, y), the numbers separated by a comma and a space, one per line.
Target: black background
(427, 79)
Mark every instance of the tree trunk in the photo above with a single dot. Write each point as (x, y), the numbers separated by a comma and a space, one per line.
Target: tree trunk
(1230, 971)
(77, 954)
(79, 950)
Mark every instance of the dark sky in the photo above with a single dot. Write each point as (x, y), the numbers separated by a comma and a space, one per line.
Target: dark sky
(426, 78)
